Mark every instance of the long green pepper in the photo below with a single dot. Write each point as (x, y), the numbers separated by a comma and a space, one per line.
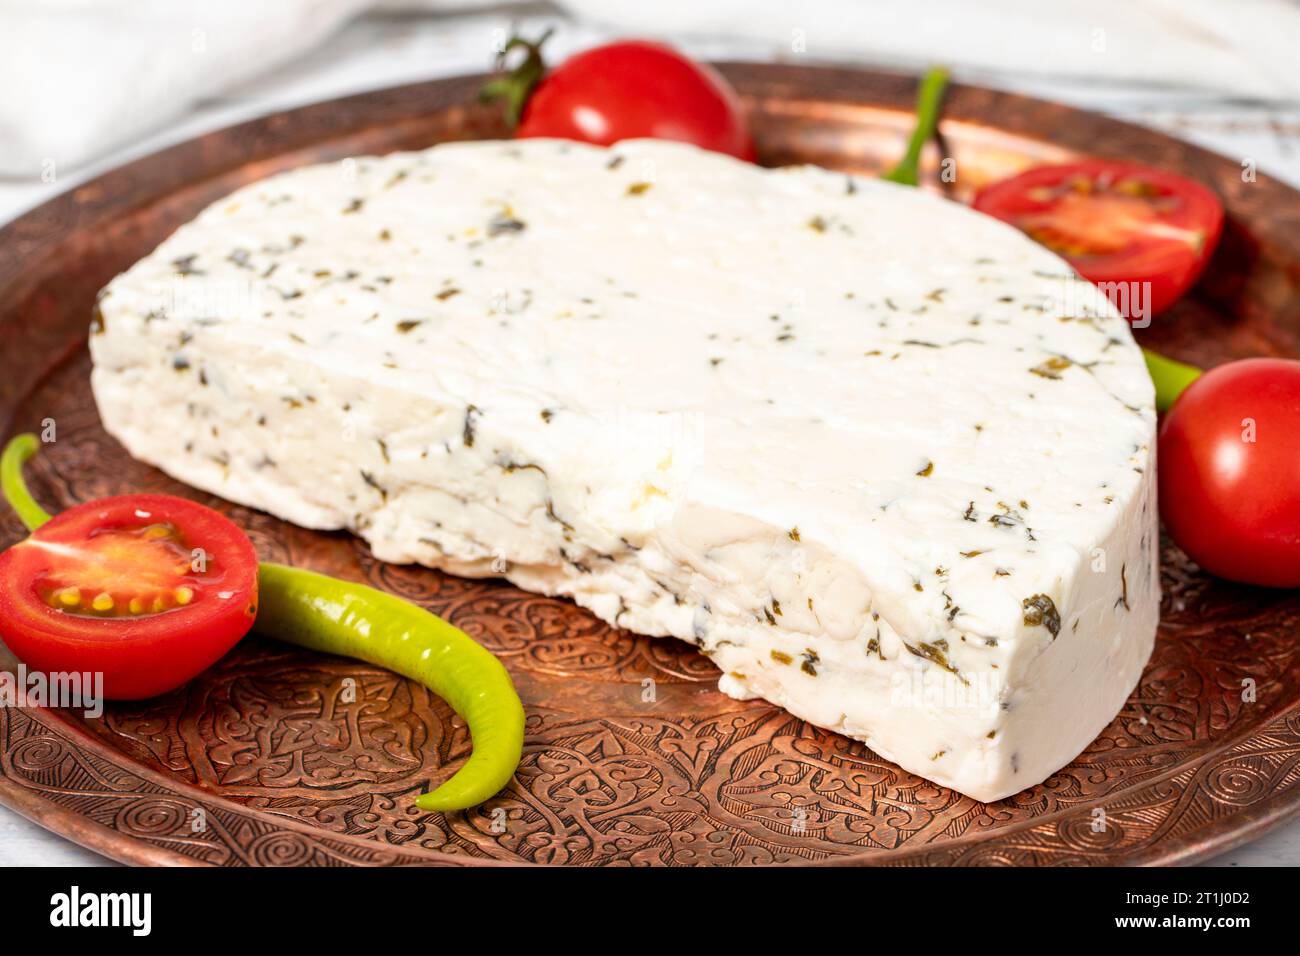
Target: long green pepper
(331, 616)
(325, 614)
(929, 101)
(20, 450)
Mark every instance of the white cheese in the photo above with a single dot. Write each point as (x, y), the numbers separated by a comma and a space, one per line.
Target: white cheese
(886, 461)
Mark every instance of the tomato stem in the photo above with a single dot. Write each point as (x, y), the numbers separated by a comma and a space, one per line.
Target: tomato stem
(1170, 377)
(18, 452)
(515, 86)
(929, 101)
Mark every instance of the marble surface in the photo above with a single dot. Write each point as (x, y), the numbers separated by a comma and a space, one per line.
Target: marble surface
(385, 50)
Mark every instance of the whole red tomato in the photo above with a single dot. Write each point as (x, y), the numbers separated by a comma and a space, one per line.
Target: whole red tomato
(625, 90)
(1229, 471)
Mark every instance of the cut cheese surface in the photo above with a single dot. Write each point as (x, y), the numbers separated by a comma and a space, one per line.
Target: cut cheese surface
(888, 462)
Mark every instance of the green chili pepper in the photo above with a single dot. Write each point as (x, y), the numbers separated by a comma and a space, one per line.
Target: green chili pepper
(1170, 378)
(336, 617)
(17, 453)
(929, 100)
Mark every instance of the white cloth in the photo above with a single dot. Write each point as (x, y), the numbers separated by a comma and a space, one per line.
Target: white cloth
(80, 77)
(1246, 47)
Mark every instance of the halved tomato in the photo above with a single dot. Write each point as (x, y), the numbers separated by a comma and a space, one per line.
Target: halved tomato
(147, 590)
(1142, 233)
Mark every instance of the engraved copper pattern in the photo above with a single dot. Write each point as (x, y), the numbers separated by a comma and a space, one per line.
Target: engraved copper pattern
(296, 758)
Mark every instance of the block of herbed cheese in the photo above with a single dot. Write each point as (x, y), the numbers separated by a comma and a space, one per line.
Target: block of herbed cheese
(886, 461)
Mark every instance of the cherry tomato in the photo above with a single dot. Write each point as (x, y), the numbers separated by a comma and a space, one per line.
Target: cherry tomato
(1229, 471)
(146, 589)
(637, 89)
(1117, 223)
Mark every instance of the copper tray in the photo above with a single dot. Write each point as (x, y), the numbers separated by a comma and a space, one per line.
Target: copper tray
(287, 771)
